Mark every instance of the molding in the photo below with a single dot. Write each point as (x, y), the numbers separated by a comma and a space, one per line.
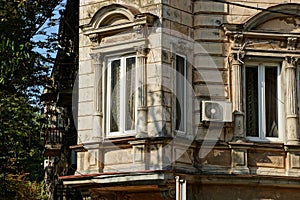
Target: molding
(105, 22)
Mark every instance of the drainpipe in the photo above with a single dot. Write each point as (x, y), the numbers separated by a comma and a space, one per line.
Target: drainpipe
(180, 188)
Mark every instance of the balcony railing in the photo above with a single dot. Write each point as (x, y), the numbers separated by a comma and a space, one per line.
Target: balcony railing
(54, 136)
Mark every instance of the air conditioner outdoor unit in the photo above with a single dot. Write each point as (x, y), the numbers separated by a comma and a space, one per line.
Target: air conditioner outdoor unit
(217, 111)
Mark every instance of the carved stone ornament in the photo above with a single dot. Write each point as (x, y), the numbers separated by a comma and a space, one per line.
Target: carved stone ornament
(291, 43)
(97, 196)
(94, 37)
(238, 40)
(168, 193)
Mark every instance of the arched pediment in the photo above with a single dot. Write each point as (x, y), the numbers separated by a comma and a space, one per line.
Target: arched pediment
(113, 15)
(283, 18)
(115, 18)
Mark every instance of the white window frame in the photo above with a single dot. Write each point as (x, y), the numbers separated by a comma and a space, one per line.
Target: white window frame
(181, 132)
(261, 103)
(122, 131)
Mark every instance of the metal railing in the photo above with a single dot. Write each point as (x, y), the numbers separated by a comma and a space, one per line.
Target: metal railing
(54, 136)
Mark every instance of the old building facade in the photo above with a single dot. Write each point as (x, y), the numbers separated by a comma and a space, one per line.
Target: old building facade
(188, 100)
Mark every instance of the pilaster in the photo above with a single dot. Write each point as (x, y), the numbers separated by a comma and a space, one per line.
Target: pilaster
(292, 126)
(98, 113)
(238, 134)
(142, 92)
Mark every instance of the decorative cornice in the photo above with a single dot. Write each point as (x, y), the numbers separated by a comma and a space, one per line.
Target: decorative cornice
(291, 43)
(137, 23)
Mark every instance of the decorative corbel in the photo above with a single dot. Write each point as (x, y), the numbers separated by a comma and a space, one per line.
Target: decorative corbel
(94, 38)
(291, 43)
(140, 31)
(238, 40)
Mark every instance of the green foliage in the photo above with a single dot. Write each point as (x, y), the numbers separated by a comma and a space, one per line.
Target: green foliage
(21, 145)
(23, 71)
(18, 187)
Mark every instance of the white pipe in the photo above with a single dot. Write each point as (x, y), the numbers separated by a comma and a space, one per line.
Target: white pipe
(177, 188)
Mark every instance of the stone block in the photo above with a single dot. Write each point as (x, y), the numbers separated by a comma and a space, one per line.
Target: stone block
(210, 7)
(239, 157)
(159, 129)
(86, 67)
(84, 53)
(86, 94)
(159, 83)
(84, 41)
(208, 20)
(209, 133)
(86, 108)
(85, 122)
(207, 34)
(217, 157)
(210, 90)
(209, 48)
(154, 58)
(209, 76)
(295, 160)
(118, 156)
(183, 156)
(179, 28)
(86, 81)
(206, 61)
(83, 135)
(266, 159)
(93, 158)
(138, 153)
(159, 113)
(148, 2)
(186, 18)
(134, 2)
(159, 98)
(171, 13)
(182, 5)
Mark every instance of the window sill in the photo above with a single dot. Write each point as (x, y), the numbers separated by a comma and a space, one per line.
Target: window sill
(116, 135)
(264, 140)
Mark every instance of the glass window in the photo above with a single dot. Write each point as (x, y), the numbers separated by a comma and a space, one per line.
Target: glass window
(121, 95)
(262, 101)
(180, 90)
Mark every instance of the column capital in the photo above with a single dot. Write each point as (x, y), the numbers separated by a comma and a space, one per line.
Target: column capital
(142, 50)
(97, 57)
(292, 61)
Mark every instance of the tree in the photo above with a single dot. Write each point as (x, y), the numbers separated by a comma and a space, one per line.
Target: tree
(23, 71)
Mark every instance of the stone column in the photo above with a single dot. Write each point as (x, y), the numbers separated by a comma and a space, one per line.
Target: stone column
(141, 92)
(292, 127)
(238, 134)
(98, 113)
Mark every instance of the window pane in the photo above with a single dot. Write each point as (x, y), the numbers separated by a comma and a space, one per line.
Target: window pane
(115, 96)
(271, 102)
(180, 93)
(130, 94)
(252, 101)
